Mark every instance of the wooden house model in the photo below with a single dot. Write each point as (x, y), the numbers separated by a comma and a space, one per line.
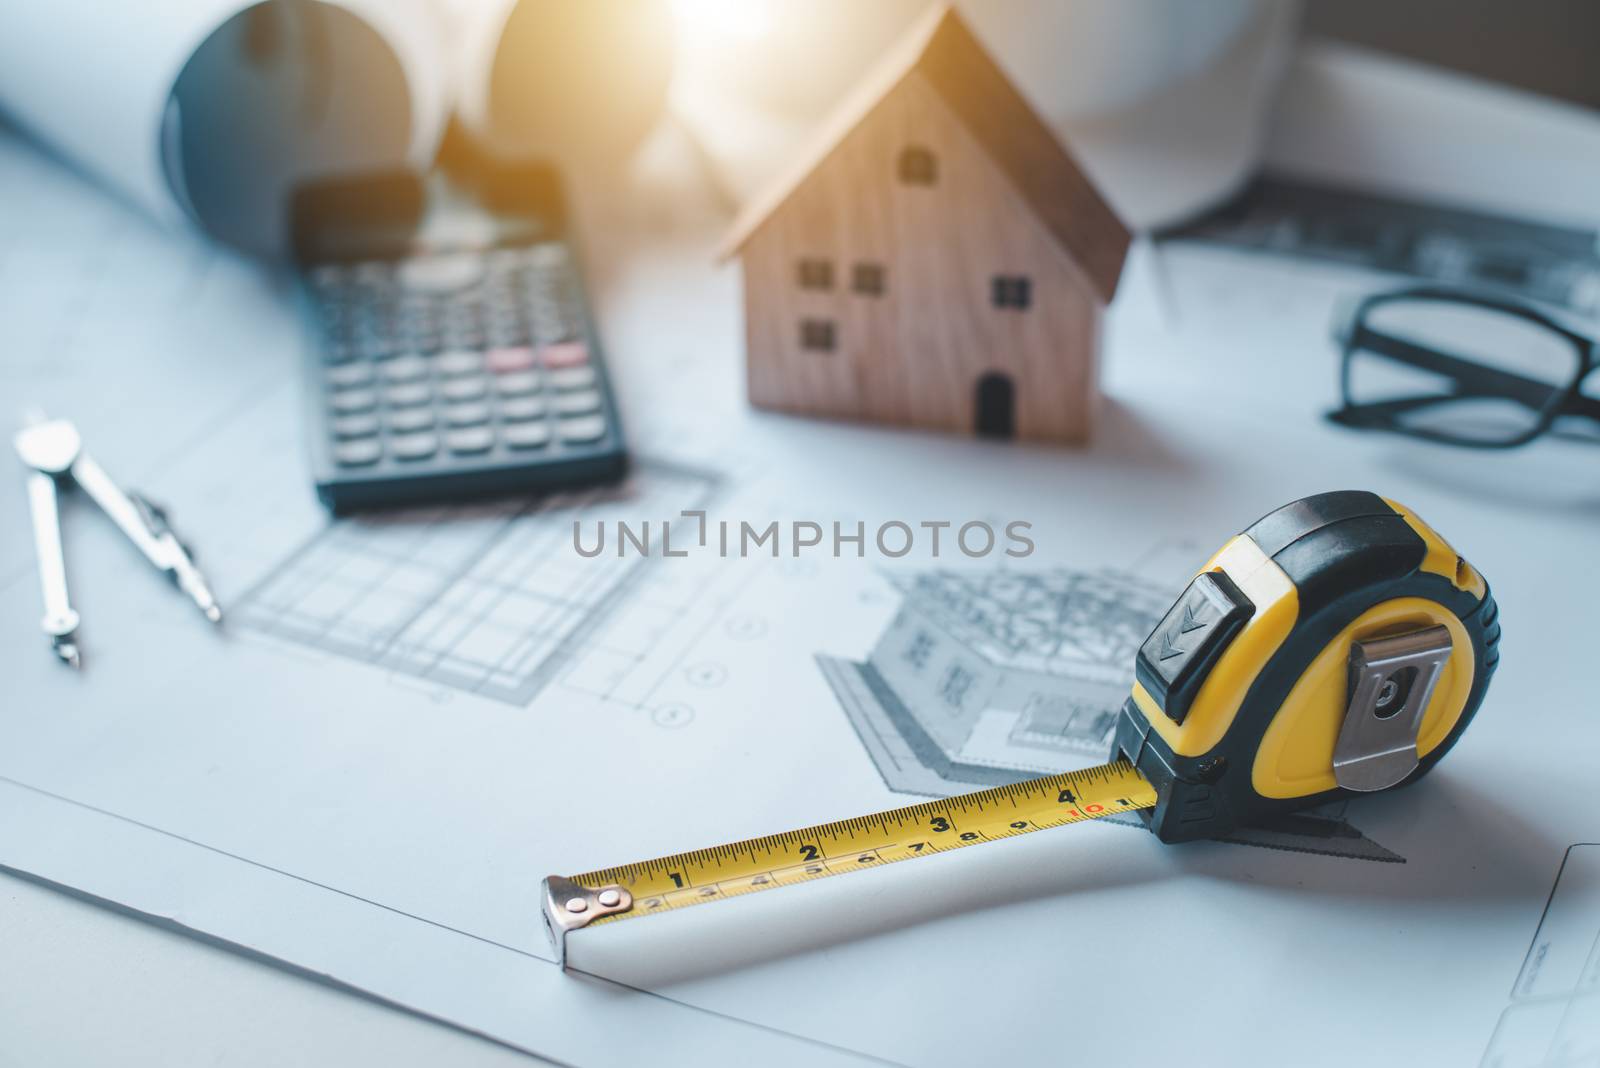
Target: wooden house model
(938, 260)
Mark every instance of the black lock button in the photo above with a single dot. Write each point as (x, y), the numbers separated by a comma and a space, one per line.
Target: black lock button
(1179, 653)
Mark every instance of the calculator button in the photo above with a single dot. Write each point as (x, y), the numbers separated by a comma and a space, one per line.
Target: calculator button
(473, 413)
(351, 401)
(521, 409)
(458, 362)
(588, 428)
(525, 435)
(350, 375)
(470, 440)
(510, 358)
(565, 354)
(405, 369)
(578, 403)
(463, 389)
(355, 426)
(407, 396)
(518, 383)
(357, 453)
(572, 378)
(414, 446)
(407, 420)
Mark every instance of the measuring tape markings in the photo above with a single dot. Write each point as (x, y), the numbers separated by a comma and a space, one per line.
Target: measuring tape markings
(818, 852)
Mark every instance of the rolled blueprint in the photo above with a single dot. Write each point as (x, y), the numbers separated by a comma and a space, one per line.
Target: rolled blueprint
(212, 109)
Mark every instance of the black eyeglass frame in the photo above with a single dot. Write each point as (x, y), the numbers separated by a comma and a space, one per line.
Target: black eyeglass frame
(1355, 336)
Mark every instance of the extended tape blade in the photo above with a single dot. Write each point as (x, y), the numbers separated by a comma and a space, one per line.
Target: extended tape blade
(771, 861)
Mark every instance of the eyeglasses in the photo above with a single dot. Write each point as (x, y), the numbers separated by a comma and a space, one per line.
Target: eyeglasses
(1462, 368)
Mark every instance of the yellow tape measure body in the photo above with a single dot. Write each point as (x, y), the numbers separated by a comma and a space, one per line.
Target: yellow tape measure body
(1337, 646)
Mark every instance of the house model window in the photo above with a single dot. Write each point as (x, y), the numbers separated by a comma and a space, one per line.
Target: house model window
(816, 274)
(918, 166)
(1011, 291)
(817, 335)
(867, 279)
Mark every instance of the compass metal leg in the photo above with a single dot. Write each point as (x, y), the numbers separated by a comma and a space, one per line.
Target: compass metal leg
(60, 621)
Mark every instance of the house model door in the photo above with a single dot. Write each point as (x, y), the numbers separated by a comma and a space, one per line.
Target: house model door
(995, 406)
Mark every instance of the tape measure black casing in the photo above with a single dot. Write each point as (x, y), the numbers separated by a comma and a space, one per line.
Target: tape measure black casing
(1345, 552)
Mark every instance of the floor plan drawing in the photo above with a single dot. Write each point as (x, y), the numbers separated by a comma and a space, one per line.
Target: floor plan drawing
(490, 598)
(991, 677)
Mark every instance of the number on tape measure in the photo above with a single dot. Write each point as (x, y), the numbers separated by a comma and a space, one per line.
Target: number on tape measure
(870, 841)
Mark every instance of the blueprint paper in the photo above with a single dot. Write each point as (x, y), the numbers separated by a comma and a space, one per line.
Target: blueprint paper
(408, 722)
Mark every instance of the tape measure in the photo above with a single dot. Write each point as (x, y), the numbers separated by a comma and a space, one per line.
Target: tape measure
(1338, 646)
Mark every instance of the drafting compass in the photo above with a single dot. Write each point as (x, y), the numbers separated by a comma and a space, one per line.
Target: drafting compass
(54, 450)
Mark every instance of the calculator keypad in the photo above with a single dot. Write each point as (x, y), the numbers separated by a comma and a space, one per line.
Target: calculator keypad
(455, 359)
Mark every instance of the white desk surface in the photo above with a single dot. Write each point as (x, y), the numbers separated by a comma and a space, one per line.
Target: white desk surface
(81, 984)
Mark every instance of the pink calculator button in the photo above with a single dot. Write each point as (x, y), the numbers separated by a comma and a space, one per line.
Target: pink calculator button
(565, 354)
(511, 358)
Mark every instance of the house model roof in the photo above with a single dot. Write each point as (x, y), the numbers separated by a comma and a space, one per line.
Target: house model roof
(943, 51)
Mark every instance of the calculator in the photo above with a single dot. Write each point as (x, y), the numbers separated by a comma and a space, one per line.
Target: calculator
(453, 353)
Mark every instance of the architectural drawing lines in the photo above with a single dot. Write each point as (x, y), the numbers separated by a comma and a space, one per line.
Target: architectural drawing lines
(488, 598)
